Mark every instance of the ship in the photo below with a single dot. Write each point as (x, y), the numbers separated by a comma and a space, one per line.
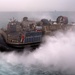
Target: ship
(27, 32)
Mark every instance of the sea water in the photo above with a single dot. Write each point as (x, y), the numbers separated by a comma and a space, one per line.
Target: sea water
(56, 56)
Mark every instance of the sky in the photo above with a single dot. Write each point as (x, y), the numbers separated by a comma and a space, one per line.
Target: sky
(37, 5)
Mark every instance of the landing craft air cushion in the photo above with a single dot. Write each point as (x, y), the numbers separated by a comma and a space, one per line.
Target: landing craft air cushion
(20, 34)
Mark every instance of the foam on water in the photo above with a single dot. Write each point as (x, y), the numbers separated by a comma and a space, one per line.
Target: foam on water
(57, 54)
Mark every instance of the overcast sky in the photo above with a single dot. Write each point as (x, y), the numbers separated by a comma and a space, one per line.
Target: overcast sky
(37, 5)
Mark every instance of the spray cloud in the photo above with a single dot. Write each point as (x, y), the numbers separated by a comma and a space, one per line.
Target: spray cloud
(58, 52)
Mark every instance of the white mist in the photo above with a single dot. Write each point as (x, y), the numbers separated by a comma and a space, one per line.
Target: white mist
(58, 52)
